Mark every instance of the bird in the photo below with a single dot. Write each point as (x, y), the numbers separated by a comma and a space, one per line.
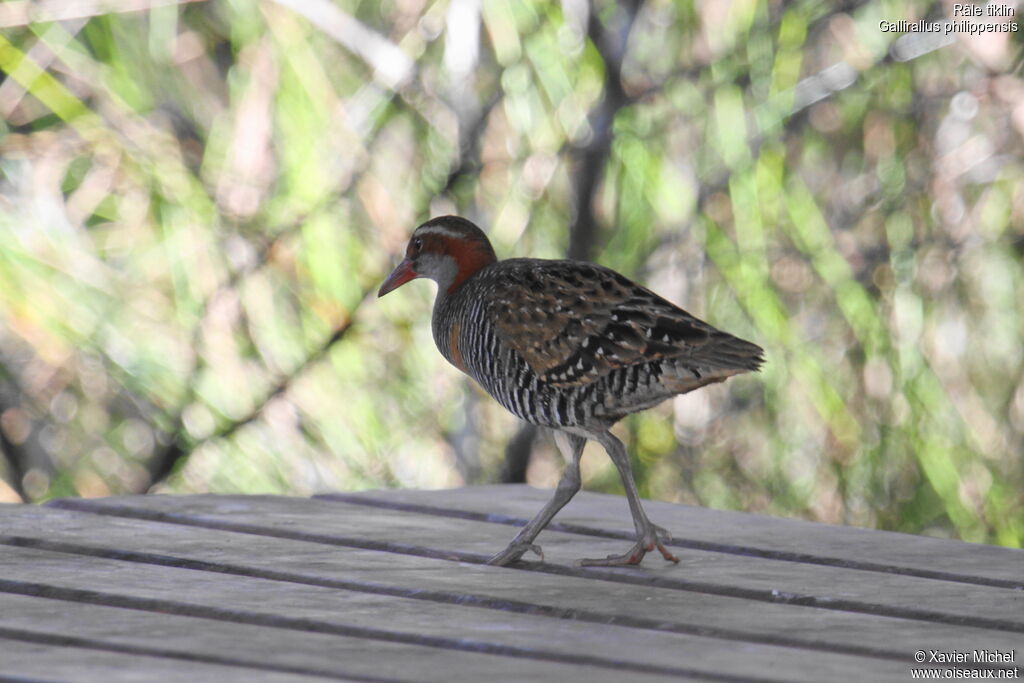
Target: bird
(569, 345)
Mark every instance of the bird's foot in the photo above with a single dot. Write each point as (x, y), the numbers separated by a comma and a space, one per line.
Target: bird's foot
(654, 537)
(513, 552)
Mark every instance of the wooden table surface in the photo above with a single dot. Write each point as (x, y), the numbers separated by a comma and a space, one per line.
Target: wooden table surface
(389, 585)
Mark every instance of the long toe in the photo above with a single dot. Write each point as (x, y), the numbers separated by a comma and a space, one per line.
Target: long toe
(513, 552)
(631, 556)
(666, 554)
(656, 537)
(652, 536)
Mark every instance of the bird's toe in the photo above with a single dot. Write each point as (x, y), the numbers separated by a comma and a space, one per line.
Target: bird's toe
(513, 552)
(632, 556)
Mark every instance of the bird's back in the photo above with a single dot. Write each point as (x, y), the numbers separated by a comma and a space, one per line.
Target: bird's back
(572, 344)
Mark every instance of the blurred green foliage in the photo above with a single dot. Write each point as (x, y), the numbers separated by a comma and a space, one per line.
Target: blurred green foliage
(197, 202)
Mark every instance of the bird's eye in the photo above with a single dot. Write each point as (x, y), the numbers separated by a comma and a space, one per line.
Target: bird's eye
(417, 244)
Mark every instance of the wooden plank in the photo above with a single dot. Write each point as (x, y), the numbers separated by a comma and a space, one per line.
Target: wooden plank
(253, 650)
(753, 578)
(43, 662)
(744, 533)
(725, 618)
(585, 645)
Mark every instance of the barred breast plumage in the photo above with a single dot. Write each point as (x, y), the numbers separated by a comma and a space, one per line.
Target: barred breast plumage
(565, 344)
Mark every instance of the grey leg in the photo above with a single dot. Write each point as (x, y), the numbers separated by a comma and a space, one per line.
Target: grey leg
(648, 535)
(568, 485)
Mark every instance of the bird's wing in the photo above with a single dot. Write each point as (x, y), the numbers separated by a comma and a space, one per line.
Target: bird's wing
(574, 322)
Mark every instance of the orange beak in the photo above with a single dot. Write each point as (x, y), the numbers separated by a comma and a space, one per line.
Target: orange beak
(402, 273)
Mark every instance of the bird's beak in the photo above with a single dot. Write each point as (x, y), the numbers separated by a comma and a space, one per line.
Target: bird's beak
(402, 273)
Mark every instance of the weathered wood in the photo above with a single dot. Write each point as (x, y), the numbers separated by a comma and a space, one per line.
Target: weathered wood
(268, 587)
(250, 651)
(347, 524)
(752, 578)
(45, 662)
(253, 600)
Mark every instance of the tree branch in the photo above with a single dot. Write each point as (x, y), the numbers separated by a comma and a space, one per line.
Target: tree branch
(611, 42)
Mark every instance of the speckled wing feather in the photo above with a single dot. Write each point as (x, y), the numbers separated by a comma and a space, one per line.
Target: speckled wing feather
(574, 322)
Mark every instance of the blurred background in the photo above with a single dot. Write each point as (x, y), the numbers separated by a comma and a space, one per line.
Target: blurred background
(198, 201)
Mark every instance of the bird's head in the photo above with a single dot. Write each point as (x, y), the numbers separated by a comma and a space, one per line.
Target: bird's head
(447, 250)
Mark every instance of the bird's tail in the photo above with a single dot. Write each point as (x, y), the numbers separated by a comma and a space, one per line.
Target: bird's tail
(726, 352)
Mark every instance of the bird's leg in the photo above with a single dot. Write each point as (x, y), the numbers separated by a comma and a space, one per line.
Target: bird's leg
(648, 535)
(568, 485)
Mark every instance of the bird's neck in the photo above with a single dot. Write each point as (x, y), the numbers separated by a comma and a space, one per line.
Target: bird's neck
(454, 295)
(469, 258)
